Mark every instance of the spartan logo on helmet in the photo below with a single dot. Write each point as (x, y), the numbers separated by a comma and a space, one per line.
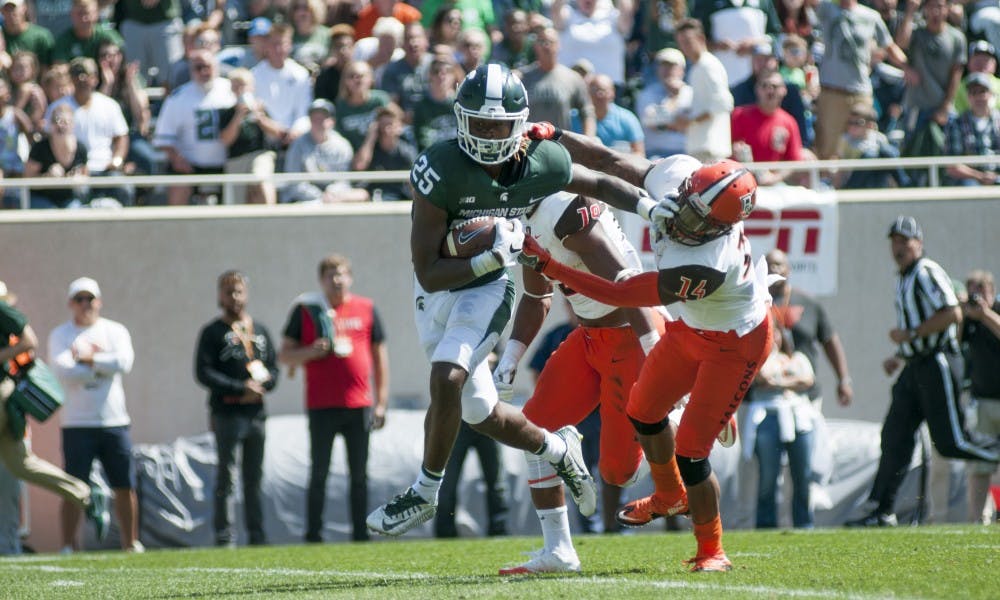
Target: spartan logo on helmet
(491, 93)
(713, 199)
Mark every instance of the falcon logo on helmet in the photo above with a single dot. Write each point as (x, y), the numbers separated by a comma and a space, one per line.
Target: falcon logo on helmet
(491, 93)
(712, 199)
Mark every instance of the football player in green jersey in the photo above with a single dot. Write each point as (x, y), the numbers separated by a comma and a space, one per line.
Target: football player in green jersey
(463, 304)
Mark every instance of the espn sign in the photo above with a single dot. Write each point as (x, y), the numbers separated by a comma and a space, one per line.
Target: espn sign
(799, 221)
(803, 224)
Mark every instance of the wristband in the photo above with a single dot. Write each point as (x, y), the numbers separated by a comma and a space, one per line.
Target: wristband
(644, 207)
(485, 262)
(557, 133)
(648, 341)
(626, 273)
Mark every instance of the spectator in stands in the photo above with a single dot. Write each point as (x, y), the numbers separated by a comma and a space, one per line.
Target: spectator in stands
(476, 14)
(341, 52)
(981, 336)
(655, 23)
(851, 35)
(595, 33)
(383, 47)
(617, 127)
(797, 69)
(90, 354)
(125, 85)
(339, 339)
(982, 59)
(100, 126)
(976, 132)
(763, 59)
(555, 89)
(782, 421)
(187, 128)
(20, 34)
(661, 102)
(936, 56)
(357, 102)
(734, 29)
(384, 150)
(153, 33)
(85, 35)
(16, 130)
(283, 85)
(764, 132)
(797, 19)
(56, 82)
(245, 129)
(471, 49)
(515, 48)
(28, 94)
(196, 37)
(240, 57)
(372, 11)
(444, 25)
(707, 125)
(863, 140)
(434, 114)
(890, 13)
(311, 37)
(321, 150)
(405, 79)
(53, 15)
(237, 361)
(58, 154)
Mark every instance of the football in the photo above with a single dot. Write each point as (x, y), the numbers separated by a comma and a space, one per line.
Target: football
(468, 238)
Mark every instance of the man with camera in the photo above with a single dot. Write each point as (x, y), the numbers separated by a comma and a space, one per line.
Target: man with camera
(981, 338)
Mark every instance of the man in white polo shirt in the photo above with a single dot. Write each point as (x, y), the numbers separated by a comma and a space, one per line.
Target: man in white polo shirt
(283, 85)
(188, 128)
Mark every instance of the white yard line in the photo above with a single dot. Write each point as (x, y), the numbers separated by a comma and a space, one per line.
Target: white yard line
(722, 588)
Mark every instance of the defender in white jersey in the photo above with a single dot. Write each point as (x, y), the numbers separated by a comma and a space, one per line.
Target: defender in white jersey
(595, 366)
(717, 345)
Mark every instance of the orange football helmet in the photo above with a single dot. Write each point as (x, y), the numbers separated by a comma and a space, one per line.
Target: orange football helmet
(712, 199)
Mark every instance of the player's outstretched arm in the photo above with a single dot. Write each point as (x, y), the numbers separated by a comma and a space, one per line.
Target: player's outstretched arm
(593, 154)
(616, 192)
(641, 290)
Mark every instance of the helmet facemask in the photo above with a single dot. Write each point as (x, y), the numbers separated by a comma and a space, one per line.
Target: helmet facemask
(489, 151)
(692, 225)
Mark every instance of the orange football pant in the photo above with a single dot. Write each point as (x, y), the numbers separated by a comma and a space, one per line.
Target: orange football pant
(594, 366)
(717, 369)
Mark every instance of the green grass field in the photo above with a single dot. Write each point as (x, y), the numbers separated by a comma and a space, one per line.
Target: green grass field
(955, 563)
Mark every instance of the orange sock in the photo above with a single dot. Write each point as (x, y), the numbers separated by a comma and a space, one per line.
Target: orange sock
(667, 479)
(709, 536)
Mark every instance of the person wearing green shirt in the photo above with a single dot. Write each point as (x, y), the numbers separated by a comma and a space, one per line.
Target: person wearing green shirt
(21, 34)
(85, 35)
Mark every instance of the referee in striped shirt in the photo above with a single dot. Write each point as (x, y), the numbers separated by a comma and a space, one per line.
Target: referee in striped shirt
(929, 386)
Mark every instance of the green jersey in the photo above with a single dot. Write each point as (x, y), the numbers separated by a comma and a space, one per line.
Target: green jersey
(452, 181)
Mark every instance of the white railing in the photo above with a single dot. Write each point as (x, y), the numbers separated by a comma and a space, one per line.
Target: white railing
(932, 164)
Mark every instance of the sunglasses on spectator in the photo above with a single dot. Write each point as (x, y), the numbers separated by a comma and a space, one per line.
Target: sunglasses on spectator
(201, 67)
(858, 122)
(975, 91)
(82, 298)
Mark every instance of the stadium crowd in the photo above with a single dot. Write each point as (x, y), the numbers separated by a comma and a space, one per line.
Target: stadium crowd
(206, 87)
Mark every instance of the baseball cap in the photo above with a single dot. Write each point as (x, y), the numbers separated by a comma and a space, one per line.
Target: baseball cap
(259, 26)
(982, 46)
(323, 104)
(672, 56)
(84, 284)
(906, 227)
(981, 79)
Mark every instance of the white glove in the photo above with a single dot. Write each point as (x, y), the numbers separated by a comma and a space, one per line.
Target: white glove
(664, 211)
(506, 369)
(508, 241)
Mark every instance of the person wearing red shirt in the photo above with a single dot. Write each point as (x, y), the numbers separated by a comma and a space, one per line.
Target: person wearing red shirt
(404, 13)
(764, 131)
(339, 339)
